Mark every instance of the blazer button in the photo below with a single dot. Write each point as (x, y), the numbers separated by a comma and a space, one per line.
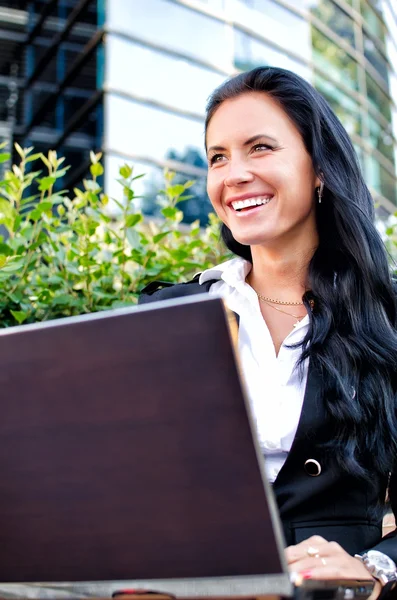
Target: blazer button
(312, 467)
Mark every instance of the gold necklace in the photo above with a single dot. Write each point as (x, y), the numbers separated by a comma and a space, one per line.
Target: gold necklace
(297, 317)
(266, 299)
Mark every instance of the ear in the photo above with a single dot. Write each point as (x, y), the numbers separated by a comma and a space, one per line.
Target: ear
(319, 179)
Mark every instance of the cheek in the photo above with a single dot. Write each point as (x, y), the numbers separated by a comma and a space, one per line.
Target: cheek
(214, 189)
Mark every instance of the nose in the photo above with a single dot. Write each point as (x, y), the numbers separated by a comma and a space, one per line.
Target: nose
(237, 174)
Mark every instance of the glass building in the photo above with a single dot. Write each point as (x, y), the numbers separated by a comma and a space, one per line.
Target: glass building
(133, 78)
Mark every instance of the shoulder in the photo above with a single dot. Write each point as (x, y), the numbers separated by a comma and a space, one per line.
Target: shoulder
(162, 290)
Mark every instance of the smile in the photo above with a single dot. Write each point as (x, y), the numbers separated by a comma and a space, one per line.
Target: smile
(249, 203)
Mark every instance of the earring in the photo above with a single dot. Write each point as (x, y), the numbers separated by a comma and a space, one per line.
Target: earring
(320, 190)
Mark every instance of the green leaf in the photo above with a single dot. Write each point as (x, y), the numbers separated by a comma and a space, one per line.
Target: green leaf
(91, 186)
(132, 220)
(33, 157)
(128, 193)
(7, 214)
(125, 171)
(13, 264)
(189, 183)
(169, 175)
(44, 206)
(5, 249)
(160, 236)
(19, 315)
(183, 198)
(46, 183)
(61, 172)
(96, 169)
(4, 156)
(175, 190)
(169, 212)
(132, 236)
(19, 150)
(62, 299)
(138, 176)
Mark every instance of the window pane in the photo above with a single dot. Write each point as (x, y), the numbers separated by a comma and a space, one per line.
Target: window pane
(147, 132)
(276, 23)
(174, 27)
(378, 98)
(345, 108)
(166, 86)
(331, 59)
(380, 139)
(335, 18)
(380, 179)
(372, 21)
(376, 59)
(250, 53)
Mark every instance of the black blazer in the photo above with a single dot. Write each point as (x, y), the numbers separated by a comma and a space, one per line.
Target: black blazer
(330, 503)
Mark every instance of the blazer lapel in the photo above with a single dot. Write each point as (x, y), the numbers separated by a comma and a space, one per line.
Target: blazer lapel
(313, 418)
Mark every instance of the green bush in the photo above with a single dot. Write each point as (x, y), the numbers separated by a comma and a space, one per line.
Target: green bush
(62, 253)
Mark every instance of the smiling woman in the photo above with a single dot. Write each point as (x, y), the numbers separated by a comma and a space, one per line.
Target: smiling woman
(317, 317)
(254, 152)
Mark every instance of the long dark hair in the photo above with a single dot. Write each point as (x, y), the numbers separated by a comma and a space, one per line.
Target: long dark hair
(352, 340)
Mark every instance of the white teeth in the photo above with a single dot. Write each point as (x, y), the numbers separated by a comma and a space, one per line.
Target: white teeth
(239, 204)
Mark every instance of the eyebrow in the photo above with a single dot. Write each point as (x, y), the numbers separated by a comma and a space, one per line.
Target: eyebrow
(252, 139)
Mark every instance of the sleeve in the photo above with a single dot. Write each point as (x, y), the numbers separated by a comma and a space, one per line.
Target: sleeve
(388, 544)
(155, 291)
(161, 290)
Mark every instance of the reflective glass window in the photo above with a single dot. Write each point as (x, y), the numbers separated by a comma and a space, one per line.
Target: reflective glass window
(276, 23)
(333, 60)
(148, 132)
(380, 179)
(373, 21)
(165, 87)
(345, 108)
(378, 98)
(376, 58)
(335, 18)
(390, 19)
(174, 27)
(250, 53)
(380, 139)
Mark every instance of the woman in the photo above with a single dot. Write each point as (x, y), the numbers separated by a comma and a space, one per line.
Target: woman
(317, 316)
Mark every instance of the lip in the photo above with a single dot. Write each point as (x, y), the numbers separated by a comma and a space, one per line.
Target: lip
(229, 201)
(252, 211)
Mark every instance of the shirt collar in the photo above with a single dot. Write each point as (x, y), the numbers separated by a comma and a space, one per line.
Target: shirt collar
(233, 272)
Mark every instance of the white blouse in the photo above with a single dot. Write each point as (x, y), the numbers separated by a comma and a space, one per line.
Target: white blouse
(275, 387)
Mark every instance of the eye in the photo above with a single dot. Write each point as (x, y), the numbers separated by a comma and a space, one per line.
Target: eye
(260, 147)
(216, 158)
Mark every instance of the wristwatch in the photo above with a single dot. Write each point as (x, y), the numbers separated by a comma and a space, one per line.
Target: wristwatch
(379, 565)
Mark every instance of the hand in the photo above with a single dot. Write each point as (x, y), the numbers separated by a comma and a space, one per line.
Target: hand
(329, 562)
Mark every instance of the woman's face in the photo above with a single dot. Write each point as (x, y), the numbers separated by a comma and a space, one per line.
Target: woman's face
(261, 180)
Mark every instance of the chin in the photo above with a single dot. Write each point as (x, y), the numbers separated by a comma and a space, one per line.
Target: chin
(250, 240)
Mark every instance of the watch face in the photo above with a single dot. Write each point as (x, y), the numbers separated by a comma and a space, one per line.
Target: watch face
(380, 562)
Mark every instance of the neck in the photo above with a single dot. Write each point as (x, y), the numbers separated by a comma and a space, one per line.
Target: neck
(280, 274)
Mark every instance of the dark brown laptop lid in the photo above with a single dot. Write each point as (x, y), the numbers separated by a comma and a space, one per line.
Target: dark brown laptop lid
(126, 451)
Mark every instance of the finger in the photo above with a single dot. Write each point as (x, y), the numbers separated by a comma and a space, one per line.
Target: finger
(307, 564)
(300, 551)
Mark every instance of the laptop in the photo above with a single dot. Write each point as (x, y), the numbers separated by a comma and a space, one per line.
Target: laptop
(127, 452)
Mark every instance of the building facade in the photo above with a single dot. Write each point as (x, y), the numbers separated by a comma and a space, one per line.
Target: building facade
(133, 78)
